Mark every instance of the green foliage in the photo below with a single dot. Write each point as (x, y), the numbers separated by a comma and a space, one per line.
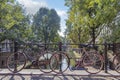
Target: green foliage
(15, 25)
(13, 22)
(83, 15)
(46, 24)
(115, 30)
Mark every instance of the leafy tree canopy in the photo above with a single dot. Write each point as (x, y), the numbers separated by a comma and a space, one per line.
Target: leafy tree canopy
(46, 24)
(84, 15)
(13, 21)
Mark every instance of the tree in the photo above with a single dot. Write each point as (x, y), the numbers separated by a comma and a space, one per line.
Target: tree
(46, 24)
(115, 30)
(85, 15)
(13, 22)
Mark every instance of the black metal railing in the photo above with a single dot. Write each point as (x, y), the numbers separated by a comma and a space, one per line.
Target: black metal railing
(61, 47)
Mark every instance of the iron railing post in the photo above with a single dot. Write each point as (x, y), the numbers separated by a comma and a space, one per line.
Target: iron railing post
(60, 49)
(15, 46)
(15, 54)
(105, 57)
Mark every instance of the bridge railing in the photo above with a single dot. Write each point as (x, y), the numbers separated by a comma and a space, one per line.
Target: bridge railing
(102, 48)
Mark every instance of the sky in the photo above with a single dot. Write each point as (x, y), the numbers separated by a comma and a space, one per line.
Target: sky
(32, 6)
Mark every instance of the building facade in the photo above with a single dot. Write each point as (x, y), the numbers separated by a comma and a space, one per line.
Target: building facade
(6, 48)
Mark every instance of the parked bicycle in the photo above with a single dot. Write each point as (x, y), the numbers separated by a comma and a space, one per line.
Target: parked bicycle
(90, 60)
(27, 57)
(114, 56)
(86, 58)
(116, 62)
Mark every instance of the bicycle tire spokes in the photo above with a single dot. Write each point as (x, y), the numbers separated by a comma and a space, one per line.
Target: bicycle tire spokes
(93, 63)
(59, 62)
(16, 62)
(116, 62)
(44, 61)
(118, 67)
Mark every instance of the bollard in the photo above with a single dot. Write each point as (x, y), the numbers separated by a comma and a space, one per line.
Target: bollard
(105, 57)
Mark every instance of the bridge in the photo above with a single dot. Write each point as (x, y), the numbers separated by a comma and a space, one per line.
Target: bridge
(35, 74)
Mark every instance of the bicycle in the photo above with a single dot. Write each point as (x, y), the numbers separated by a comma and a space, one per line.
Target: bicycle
(18, 60)
(114, 56)
(116, 62)
(89, 60)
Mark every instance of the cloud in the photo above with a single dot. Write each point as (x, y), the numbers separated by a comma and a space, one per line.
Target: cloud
(63, 16)
(32, 6)
(62, 13)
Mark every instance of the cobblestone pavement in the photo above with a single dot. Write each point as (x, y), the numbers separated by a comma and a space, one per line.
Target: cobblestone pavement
(35, 74)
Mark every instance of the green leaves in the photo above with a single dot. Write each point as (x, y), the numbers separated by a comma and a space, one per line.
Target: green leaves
(12, 20)
(86, 14)
(46, 24)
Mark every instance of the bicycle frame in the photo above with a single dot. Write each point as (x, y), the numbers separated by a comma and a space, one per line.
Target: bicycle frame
(17, 61)
(89, 59)
(82, 52)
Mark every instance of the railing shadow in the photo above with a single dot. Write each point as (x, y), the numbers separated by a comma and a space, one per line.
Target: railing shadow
(50, 76)
(12, 77)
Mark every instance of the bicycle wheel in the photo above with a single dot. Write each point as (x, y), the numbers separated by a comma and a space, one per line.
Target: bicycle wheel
(16, 62)
(44, 61)
(116, 62)
(59, 62)
(93, 62)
